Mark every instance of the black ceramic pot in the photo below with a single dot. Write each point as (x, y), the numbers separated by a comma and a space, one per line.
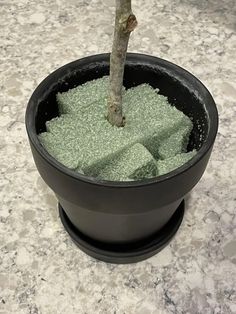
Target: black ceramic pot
(124, 222)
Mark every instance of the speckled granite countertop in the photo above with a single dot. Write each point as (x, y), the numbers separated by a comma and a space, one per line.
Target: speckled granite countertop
(41, 270)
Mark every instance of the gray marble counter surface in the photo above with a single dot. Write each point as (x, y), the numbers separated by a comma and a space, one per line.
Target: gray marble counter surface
(41, 270)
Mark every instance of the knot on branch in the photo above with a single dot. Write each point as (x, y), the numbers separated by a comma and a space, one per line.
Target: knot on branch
(130, 24)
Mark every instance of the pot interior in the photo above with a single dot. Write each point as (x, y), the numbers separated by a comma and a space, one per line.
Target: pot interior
(180, 94)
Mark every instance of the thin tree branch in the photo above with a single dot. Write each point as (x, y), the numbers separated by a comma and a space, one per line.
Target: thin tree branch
(125, 22)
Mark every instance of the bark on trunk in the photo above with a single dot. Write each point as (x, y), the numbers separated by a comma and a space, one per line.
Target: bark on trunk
(125, 22)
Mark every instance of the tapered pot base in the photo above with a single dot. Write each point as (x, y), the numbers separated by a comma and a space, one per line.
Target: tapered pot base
(124, 253)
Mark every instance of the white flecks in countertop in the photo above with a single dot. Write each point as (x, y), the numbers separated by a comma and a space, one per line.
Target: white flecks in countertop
(41, 270)
(37, 18)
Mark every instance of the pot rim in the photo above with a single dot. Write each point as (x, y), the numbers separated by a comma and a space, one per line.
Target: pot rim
(211, 111)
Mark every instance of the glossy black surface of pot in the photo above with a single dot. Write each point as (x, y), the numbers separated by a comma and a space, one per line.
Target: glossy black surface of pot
(124, 212)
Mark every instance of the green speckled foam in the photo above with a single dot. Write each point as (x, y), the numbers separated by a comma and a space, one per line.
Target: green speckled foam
(95, 90)
(175, 143)
(134, 169)
(83, 140)
(166, 165)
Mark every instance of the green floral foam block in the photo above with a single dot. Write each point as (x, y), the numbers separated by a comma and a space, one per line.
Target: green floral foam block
(82, 139)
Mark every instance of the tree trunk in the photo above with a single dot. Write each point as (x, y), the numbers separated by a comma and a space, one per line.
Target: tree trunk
(125, 22)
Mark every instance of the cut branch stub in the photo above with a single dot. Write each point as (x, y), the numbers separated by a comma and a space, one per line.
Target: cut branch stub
(130, 24)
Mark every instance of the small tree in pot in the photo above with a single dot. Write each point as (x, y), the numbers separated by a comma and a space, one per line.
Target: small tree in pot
(123, 222)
